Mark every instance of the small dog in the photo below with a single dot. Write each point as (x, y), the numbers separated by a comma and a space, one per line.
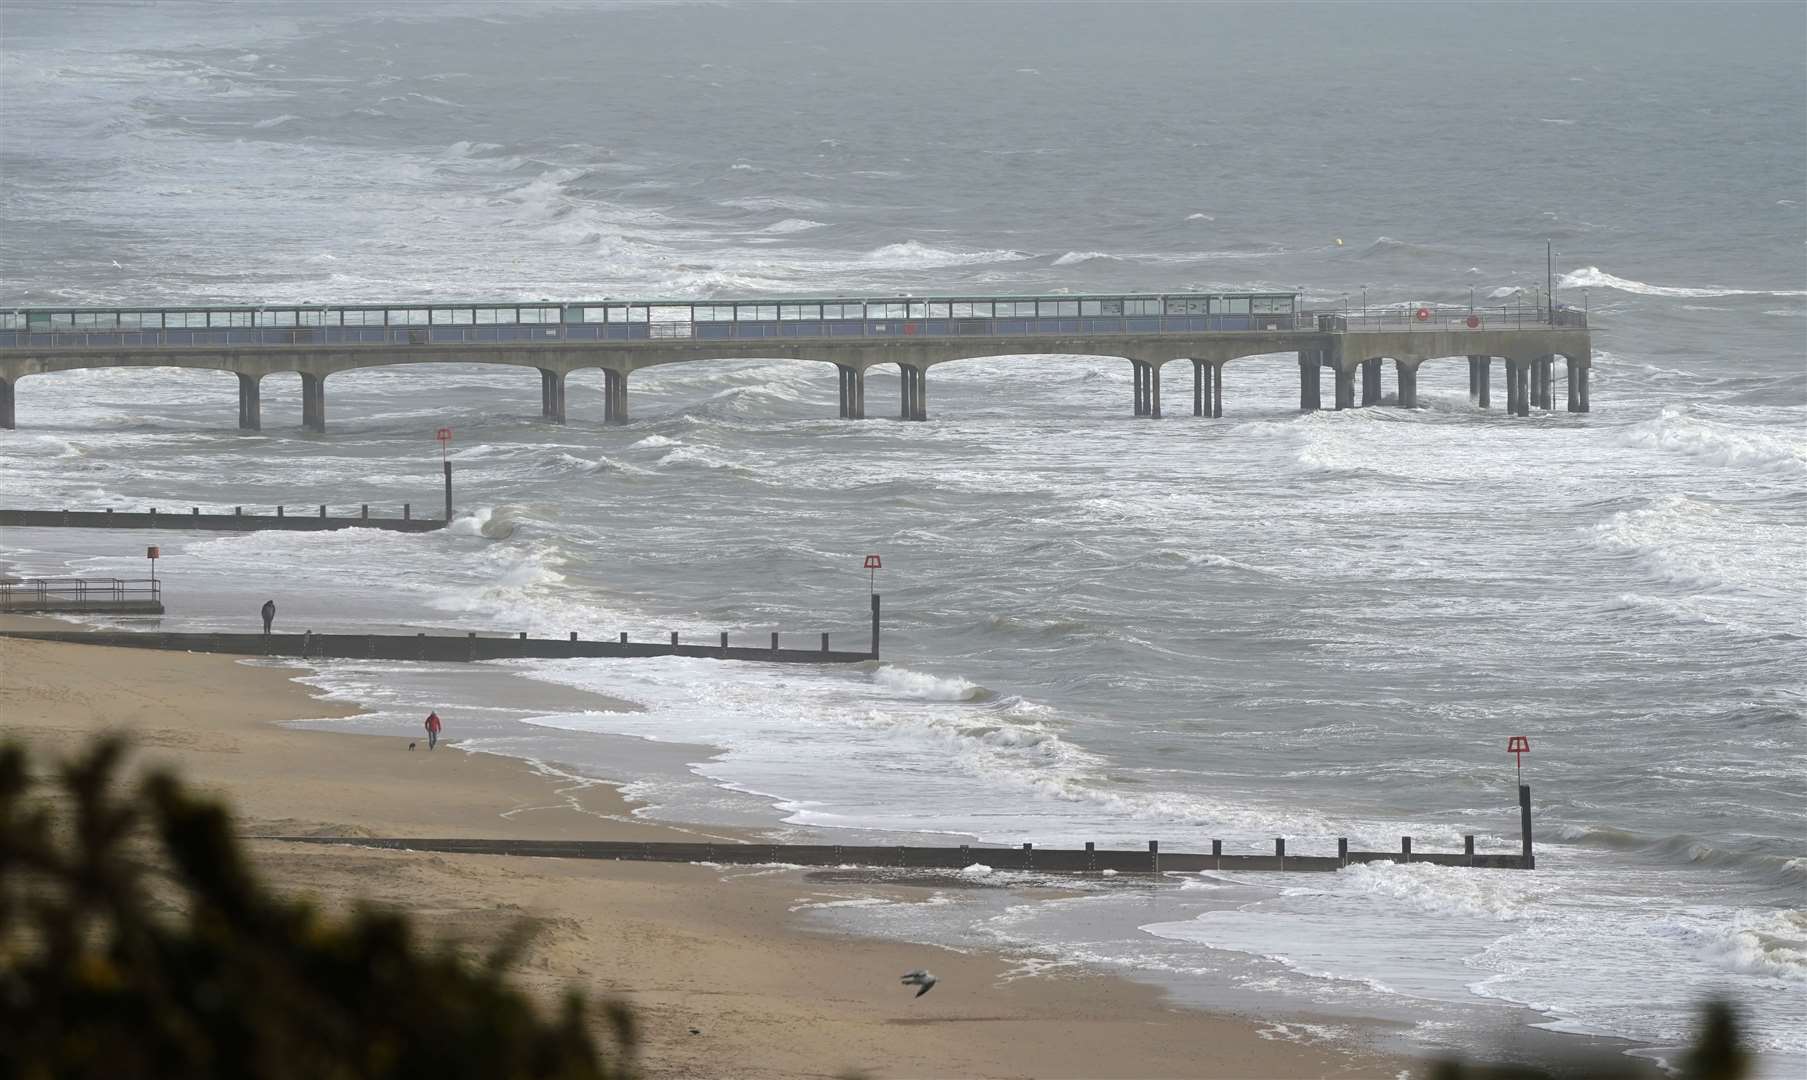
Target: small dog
(410, 746)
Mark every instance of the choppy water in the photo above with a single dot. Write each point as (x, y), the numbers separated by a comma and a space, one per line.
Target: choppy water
(1098, 628)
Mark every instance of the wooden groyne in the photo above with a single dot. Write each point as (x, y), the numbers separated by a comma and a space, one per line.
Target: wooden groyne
(237, 521)
(1089, 859)
(466, 648)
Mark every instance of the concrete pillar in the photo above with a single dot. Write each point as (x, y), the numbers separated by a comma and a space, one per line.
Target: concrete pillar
(853, 392)
(1154, 391)
(614, 396)
(1217, 390)
(1524, 388)
(313, 402)
(552, 395)
(915, 390)
(1546, 379)
(1310, 365)
(1480, 380)
(250, 402)
(1198, 388)
(1406, 375)
(8, 419)
(1370, 382)
(1345, 386)
(1584, 371)
(1139, 376)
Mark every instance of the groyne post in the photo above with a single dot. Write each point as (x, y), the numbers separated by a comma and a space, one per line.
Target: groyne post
(875, 626)
(1154, 856)
(1468, 847)
(1524, 826)
(1342, 851)
(1091, 855)
(407, 512)
(824, 641)
(1405, 847)
(448, 484)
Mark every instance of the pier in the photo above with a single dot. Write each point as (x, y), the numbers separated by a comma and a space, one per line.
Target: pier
(853, 334)
(471, 646)
(1090, 859)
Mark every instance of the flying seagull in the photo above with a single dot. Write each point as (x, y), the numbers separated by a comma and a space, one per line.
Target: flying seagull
(116, 265)
(920, 978)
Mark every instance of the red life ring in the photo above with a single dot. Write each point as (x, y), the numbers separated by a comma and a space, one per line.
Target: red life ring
(1423, 314)
(1474, 322)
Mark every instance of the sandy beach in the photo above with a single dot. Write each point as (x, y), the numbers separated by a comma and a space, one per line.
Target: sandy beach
(688, 947)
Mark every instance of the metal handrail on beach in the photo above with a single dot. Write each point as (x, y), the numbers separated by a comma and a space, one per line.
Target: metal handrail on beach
(78, 592)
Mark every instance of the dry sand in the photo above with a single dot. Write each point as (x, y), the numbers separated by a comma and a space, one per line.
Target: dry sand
(687, 946)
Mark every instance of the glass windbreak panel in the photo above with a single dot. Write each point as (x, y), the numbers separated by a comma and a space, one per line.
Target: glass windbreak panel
(281, 318)
(461, 316)
(626, 314)
(11, 320)
(800, 312)
(408, 316)
(1141, 307)
(1272, 304)
(441, 316)
(362, 317)
(597, 314)
(1188, 305)
(539, 315)
(311, 318)
(918, 310)
(668, 314)
(1091, 307)
(1235, 305)
(938, 309)
(712, 313)
(839, 311)
(489, 315)
(756, 312)
(1110, 307)
(37, 319)
(229, 318)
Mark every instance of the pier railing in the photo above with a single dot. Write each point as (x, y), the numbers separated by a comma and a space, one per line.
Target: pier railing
(80, 594)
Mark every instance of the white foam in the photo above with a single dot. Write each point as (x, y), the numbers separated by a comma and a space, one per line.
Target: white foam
(1595, 278)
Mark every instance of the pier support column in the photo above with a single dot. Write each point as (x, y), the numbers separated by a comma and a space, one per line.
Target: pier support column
(1406, 375)
(853, 392)
(1518, 387)
(1546, 382)
(552, 395)
(8, 421)
(1154, 391)
(1217, 390)
(614, 396)
(250, 402)
(313, 402)
(1480, 381)
(1580, 367)
(1198, 388)
(1311, 366)
(1139, 376)
(915, 392)
(1370, 382)
(1345, 386)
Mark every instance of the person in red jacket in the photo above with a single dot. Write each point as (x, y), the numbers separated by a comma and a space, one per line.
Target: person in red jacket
(433, 726)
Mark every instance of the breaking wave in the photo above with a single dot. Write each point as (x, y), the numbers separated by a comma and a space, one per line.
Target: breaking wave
(1592, 277)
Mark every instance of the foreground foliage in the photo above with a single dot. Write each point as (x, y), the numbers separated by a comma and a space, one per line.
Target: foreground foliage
(101, 975)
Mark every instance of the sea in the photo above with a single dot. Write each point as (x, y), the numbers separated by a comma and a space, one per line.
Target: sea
(1098, 628)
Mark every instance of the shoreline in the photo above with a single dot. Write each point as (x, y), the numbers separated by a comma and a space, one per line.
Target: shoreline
(688, 946)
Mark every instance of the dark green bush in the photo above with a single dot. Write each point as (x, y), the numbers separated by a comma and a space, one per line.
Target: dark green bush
(102, 975)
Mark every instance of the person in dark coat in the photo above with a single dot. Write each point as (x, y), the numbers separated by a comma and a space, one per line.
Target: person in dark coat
(433, 726)
(269, 611)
